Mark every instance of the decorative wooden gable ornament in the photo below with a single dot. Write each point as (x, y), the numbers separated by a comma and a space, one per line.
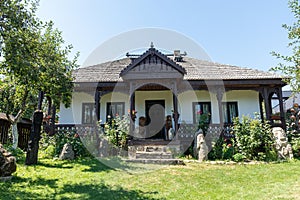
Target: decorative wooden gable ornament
(152, 65)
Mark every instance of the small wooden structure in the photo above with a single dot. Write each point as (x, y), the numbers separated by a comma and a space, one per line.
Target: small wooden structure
(24, 128)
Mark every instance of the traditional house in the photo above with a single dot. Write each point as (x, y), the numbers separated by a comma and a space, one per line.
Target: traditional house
(154, 85)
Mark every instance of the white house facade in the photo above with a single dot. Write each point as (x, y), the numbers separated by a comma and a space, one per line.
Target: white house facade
(155, 85)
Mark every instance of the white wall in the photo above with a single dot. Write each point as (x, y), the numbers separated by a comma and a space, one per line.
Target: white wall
(112, 97)
(248, 103)
(186, 100)
(73, 115)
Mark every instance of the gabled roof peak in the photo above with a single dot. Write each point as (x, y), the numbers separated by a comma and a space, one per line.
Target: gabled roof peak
(151, 52)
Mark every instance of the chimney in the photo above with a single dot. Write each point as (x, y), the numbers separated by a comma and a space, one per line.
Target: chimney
(177, 56)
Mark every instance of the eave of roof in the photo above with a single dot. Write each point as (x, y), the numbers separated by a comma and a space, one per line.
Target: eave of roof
(195, 70)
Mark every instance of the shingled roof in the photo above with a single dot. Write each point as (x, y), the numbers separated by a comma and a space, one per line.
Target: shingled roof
(195, 70)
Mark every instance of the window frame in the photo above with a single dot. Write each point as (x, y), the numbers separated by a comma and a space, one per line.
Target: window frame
(201, 103)
(92, 113)
(227, 104)
(108, 104)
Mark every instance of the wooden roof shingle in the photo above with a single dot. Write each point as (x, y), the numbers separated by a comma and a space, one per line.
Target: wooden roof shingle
(195, 70)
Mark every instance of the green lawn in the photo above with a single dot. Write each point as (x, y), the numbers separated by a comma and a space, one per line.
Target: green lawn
(89, 179)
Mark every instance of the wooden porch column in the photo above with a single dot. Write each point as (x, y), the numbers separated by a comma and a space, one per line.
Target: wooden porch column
(132, 106)
(267, 102)
(219, 96)
(175, 113)
(261, 108)
(175, 109)
(97, 104)
(282, 118)
(131, 109)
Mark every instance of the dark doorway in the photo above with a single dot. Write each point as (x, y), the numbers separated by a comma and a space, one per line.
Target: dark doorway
(155, 115)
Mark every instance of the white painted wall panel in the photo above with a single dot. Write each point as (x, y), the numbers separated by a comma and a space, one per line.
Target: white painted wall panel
(73, 115)
(247, 104)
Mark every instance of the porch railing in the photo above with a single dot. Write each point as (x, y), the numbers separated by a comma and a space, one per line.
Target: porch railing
(80, 129)
(186, 132)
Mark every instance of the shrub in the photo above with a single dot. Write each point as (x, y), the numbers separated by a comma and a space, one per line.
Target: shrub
(47, 145)
(51, 146)
(238, 157)
(117, 131)
(223, 149)
(293, 129)
(49, 152)
(204, 120)
(253, 138)
(73, 138)
(227, 150)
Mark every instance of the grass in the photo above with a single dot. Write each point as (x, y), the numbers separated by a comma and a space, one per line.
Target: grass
(89, 179)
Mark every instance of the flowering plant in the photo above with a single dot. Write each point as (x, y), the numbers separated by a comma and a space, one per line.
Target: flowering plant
(293, 129)
(117, 130)
(203, 121)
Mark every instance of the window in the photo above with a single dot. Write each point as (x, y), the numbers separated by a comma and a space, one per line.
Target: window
(115, 108)
(200, 108)
(230, 111)
(88, 113)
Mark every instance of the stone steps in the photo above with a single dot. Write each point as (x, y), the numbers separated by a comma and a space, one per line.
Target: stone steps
(153, 155)
(154, 152)
(157, 161)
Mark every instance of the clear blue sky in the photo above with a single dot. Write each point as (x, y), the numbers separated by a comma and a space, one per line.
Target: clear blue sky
(235, 32)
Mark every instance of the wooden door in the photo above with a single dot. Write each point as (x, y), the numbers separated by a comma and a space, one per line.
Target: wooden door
(155, 118)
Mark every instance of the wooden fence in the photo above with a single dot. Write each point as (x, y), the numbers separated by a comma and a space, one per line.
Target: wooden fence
(24, 128)
(4, 129)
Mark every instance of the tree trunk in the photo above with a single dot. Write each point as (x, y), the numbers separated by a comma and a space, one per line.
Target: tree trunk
(35, 136)
(15, 134)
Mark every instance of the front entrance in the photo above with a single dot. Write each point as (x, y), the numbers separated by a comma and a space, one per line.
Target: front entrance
(155, 119)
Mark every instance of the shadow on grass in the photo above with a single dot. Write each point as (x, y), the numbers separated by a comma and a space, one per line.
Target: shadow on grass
(23, 188)
(103, 191)
(28, 188)
(93, 164)
(61, 165)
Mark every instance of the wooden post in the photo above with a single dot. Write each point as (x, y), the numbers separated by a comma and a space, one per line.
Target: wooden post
(52, 123)
(35, 135)
(175, 113)
(219, 96)
(49, 105)
(261, 108)
(40, 100)
(97, 104)
(267, 101)
(131, 109)
(282, 117)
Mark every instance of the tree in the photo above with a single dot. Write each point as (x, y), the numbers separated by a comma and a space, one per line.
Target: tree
(291, 65)
(34, 59)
